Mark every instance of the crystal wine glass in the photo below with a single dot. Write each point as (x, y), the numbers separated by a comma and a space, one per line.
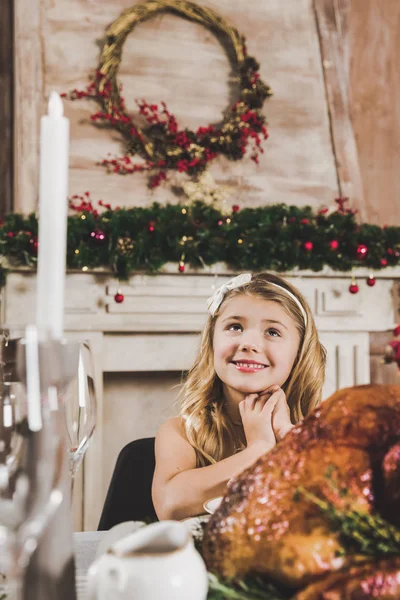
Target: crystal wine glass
(31, 455)
(79, 406)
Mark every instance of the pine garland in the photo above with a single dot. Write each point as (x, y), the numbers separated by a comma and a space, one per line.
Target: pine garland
(276, 237)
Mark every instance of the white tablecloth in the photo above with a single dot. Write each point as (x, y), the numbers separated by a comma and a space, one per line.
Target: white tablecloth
(86, 544)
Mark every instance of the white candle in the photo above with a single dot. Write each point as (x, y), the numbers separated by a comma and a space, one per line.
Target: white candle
(33, 379)
(53, 194)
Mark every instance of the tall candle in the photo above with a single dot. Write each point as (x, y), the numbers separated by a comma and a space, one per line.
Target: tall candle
(53, 194)
(33, 379)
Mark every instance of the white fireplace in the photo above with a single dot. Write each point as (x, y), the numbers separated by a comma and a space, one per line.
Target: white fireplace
(142, 345)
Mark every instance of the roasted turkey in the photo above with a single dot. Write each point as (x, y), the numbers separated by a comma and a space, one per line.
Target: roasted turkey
(348, 452)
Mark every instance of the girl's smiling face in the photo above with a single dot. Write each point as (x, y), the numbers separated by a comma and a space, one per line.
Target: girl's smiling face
(255, 345)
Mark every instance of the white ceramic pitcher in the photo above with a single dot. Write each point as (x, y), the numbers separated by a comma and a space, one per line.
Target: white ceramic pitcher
(157, 562)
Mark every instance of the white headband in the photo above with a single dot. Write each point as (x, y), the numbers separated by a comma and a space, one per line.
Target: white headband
(216, 299)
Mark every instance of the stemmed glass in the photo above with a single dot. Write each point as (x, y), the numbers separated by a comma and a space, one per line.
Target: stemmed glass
(79, 409)
(31, 456)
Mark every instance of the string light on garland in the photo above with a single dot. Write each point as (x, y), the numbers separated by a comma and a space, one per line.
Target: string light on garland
(161, 142)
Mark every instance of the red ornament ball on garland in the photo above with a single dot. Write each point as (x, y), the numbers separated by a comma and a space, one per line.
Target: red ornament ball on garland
(119, 297)
(334, 244)
(235, 208)
(383, 262)
(34, 245)
(98, 235)
(371, 281)
(151, 226)
(181, 267)
(396, 331)
(353, 289)
(362, 251)
(308, 246)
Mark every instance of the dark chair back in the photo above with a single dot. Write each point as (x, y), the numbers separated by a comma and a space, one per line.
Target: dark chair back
(129, 494)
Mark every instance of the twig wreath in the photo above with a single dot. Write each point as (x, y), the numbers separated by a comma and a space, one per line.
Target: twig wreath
(161, 142)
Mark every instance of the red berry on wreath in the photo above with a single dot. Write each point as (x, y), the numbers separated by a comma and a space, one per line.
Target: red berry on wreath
(119, 297)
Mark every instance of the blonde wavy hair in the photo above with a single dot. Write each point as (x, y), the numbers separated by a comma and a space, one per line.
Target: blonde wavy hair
(208, 427)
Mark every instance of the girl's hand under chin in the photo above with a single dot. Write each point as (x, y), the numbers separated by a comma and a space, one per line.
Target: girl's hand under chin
(265, 416)
(281, 422)
(256, 413)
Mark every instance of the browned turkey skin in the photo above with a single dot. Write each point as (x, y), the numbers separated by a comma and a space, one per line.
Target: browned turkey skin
(347, 451)
(380, 580)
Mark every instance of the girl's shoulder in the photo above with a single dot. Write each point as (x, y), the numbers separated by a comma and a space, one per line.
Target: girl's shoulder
(172, 446)
(172, 427)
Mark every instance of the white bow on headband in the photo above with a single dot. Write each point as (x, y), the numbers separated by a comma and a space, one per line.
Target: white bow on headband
(214, 302)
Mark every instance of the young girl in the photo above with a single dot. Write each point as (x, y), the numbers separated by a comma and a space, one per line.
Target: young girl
(260, 368)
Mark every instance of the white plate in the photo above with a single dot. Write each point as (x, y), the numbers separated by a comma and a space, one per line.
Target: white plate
(211, 505)
(196, 526)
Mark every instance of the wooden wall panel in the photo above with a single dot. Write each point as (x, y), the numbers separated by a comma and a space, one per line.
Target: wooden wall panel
(374, 77)
(170, 59)
(28, 101)
(6, 106)
(333, 24)
(360, 44)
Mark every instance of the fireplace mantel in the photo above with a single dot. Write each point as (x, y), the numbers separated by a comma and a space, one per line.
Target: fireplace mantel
(157, 328)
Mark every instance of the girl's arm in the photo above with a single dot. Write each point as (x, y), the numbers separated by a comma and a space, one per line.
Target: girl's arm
(179, 488)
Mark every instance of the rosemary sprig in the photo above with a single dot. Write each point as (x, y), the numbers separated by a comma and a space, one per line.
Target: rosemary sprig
(361, 532)
(253, 588)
